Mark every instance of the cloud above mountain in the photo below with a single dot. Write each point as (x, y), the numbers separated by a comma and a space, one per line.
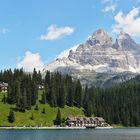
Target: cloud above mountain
(55, 32)
(129, 23)
(109, 6)
(30, 61)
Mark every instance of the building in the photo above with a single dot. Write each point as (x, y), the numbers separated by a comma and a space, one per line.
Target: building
(3, 87)
(41, 87)
(86, 122)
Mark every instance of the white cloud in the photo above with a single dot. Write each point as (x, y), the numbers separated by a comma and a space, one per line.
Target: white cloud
(109, 6)
(4, 30)
(129, 23)
(30, 61)
(55, 32)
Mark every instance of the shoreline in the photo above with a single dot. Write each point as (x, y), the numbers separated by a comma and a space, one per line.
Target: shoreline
(39, 128)
(59, 128)
(49, 128)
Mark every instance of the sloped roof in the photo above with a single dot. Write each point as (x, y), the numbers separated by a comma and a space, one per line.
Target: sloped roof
(2, 84)
(85, 118)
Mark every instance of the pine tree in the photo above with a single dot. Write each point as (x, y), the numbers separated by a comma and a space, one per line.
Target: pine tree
(47, 80)
(11, 117)
(62, 98)
(89, 109)
(4, 99)
(17, 90)
(70, 88)
(34, 76)
(43, 111)
(24, 99)
(26, 90)
(58, 119)
(34, 92)
(86, 96)
(32, 117)
(39, 78)
(43, 100)
(34, 86)
(78, 94)
(53, 99)
(9, 93)
(36, 107)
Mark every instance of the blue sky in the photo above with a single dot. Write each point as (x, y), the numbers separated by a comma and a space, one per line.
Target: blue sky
(34, 32)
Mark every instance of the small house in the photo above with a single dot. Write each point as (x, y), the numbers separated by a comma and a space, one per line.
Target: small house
(3, 87)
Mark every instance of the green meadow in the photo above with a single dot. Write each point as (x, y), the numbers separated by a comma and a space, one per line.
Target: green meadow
(40, 119)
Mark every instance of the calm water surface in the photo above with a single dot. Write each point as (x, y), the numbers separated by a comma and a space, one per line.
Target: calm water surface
(112, 134)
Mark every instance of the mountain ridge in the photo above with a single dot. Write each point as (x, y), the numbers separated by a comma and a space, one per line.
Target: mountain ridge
(101, 54)
(100, 61)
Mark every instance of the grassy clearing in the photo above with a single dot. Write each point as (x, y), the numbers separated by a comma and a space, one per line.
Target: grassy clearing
(40, 119)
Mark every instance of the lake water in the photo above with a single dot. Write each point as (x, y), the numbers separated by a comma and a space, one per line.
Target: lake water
(90, 134)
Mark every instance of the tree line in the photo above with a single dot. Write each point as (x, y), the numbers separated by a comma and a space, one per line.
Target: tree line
(22, 88)
(117, 105)
(61, 90)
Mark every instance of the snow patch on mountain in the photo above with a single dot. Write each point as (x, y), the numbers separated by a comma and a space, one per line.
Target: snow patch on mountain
(65, 53)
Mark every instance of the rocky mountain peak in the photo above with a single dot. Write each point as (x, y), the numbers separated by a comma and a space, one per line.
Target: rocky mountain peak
(100, 32)
(100, 38)
(100, 54)
(123, 36)
(125, 42)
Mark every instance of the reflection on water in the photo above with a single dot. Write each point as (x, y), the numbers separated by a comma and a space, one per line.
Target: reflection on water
(112, 134)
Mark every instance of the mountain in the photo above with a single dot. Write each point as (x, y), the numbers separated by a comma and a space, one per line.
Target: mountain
(100, 55)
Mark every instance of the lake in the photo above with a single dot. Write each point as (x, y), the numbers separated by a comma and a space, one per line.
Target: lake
(88, 134)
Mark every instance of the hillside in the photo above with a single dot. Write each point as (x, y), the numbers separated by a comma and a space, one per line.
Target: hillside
(40, 119)
(102, 79)
(117, 105)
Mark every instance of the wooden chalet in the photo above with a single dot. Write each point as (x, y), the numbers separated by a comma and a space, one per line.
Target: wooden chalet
(3, 87)
(86, 122)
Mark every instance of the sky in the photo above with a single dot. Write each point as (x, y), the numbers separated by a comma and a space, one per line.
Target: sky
(34, 32)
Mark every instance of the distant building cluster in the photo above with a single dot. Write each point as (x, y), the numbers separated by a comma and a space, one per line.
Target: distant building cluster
(3, 87)
(86, 121)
